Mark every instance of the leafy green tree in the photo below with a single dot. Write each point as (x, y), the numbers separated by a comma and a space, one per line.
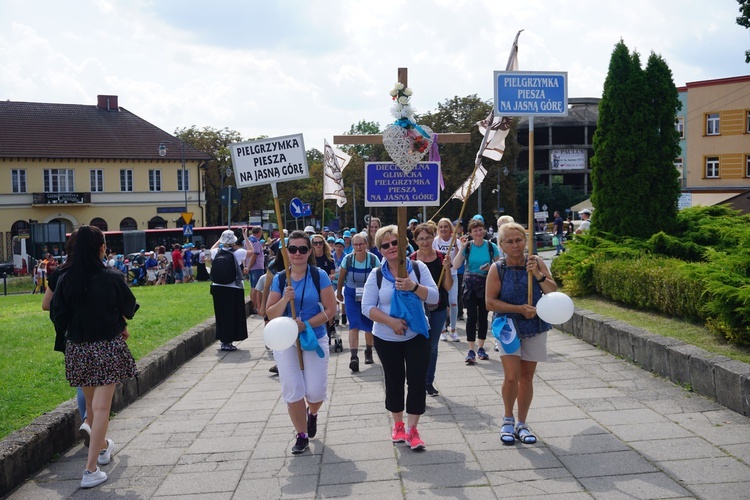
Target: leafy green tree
(216, 143)
(633, 143)
(460, 115)
(744, 20)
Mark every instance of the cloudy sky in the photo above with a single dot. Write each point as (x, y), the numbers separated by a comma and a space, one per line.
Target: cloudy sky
(316, 67)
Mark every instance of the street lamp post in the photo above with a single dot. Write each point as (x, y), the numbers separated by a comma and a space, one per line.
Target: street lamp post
(163, 152)
(497, 190)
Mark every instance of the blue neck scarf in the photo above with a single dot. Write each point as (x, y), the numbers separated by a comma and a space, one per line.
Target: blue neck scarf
(407, 305)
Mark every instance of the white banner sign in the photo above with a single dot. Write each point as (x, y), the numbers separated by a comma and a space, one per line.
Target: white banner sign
(265, 161)
(567, 159)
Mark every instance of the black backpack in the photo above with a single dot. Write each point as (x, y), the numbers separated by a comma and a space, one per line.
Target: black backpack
(224, 268)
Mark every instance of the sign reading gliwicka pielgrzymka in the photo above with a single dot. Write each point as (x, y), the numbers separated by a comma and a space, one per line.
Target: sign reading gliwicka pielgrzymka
(386, 185)
(268, 161)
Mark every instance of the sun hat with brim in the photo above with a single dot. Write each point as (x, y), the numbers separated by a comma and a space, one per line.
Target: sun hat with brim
(228, 237)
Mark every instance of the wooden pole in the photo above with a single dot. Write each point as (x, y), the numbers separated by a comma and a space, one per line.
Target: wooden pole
(403, 78)
(285, 256)
(530, 243)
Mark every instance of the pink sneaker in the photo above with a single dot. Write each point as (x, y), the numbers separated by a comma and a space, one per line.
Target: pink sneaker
(399, 433)
(413, 439)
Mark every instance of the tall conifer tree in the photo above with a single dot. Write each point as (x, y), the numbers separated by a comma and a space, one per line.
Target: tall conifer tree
(632, 144)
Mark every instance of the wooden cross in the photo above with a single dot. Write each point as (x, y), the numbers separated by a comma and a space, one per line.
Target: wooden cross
(448, 138)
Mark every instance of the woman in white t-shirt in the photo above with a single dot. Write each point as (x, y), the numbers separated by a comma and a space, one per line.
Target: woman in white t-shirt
(441, 243)
(229, 299)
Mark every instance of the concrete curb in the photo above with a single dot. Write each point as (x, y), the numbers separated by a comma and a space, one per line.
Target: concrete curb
(717, 377)
(28, 450)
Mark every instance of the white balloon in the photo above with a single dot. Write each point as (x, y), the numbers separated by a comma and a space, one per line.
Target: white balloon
(280, 333)
(555, 308)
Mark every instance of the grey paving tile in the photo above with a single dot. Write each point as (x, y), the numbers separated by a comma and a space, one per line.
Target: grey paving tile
(198, 483)
(606, 464)
(684, 448)
(651, 485)
(706, 470)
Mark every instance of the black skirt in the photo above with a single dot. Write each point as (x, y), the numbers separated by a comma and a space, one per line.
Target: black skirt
(202, 273)
(229, 309)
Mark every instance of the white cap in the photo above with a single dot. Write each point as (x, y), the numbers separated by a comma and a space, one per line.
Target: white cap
(585, 211)
(309, 229)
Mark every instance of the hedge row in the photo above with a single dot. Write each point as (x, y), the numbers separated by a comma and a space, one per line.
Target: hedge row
(702, 273)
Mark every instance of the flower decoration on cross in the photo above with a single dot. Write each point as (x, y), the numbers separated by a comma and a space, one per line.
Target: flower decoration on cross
(419, 138)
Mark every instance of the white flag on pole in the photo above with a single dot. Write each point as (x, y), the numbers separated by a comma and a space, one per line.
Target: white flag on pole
(466, 189)
(498, 126)
(334, 163)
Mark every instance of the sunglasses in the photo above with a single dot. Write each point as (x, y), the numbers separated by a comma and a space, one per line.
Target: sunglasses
(292, 249)
(317, 243)
(386, 246)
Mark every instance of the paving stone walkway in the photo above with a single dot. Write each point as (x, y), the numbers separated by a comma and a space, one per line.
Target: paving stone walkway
(217, 429)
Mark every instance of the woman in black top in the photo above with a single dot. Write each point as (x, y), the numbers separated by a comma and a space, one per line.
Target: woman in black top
(91, 304)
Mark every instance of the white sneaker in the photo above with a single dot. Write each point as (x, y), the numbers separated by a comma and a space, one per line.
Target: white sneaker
(91, 479)
(84, 431)
(444, 336)
(105, 456)
(497, 347)
(454, 337)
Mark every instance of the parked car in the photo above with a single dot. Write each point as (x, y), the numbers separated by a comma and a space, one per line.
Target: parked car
(6, 269)
(543, 239)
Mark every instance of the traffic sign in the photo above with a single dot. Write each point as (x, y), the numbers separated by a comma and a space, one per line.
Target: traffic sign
(538, 93)
(296, 208)
(187, 230)
(229, 195)
(268, 161)
(187, 217)
(306, 210)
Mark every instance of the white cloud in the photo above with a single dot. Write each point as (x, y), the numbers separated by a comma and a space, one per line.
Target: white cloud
(317, 67)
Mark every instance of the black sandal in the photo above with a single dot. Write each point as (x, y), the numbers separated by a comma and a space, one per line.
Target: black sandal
(506, 431)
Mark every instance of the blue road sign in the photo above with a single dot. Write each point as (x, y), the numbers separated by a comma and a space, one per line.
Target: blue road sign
(187, 230)
(295, 207)
(538, 93)
(386, 185)
(306, 210)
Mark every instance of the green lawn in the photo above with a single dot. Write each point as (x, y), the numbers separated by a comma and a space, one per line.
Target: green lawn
(33, 380)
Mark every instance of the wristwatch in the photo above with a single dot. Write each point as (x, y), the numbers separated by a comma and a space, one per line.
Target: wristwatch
(542, 279)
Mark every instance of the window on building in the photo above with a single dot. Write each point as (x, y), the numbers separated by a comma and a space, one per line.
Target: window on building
(679, 125)
(126, 180)
(712, 167)
(154, 180)
(99, 222)
(183, 183)
(712, 124)
(747, 124)
(678, 165)
(747, 166)
(18, 180)
(58, 180)
(97, 180)
(128, 224)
